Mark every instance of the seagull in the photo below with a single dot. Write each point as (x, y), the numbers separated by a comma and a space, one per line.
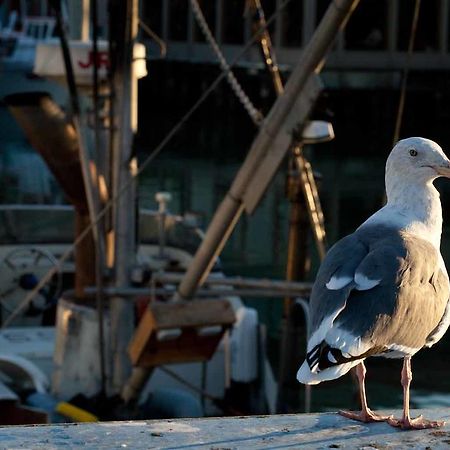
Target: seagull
(384, 290)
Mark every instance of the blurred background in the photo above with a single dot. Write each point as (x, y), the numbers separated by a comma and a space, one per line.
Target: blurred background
(362, 78)
(379, 57)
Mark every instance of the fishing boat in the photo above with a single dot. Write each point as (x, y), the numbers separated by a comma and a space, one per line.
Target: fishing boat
(39, 359)
(28, 346)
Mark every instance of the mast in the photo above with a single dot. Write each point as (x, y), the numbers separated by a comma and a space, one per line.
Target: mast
(123, 32)
(269, 146)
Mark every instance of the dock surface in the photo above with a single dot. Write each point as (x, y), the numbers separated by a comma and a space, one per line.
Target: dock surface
(310, 431)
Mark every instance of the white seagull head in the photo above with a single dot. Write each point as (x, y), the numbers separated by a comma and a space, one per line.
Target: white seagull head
(412, 200)
(417, 160)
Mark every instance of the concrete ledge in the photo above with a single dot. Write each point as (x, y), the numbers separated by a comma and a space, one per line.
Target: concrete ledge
(310, 431)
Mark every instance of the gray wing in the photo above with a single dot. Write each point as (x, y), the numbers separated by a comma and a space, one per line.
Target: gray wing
(341, 262)
(393, 294)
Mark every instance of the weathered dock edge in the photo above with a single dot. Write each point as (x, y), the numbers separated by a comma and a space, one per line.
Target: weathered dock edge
(311, 431)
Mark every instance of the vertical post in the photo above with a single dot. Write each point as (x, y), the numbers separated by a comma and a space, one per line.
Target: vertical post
(392, 25)
(298, 261)
(85, 13)
(443, 25)
(298, 264)
(297, 267)
(78, 16)
(309, 20)
(219, 22)
(123, 32)
(190, 30)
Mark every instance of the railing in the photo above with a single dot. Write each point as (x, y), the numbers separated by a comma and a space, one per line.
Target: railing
(375, 38)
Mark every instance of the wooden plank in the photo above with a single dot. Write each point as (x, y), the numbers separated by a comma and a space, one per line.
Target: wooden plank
(193, 314)
(281, 143)
(141, 337)
(241, 282)
(146, 350)
(304, 431)
(188, 348)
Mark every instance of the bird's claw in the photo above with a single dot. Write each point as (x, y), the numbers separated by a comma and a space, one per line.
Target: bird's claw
(365, 416)
(419, 423)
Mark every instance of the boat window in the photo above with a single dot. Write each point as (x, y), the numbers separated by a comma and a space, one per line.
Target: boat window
(233, 23)
(35, 8)
(427, 35)
(291, 25)
(208, 8)
(367, 27)
(178, 14)
(152, 15)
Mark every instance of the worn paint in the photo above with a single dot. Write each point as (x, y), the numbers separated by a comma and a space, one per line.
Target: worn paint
(311, 431)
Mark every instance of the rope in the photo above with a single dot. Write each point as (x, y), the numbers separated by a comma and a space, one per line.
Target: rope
(99, 257)
(66, 255)
(162, 45)
(254, 114)
(401, 103)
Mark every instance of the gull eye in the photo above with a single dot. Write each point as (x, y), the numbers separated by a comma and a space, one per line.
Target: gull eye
(412, 152)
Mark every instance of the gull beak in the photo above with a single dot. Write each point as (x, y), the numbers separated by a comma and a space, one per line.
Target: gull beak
(443, 169)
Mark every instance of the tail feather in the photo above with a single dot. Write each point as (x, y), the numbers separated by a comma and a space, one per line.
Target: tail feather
(306, 376)
(324, 362)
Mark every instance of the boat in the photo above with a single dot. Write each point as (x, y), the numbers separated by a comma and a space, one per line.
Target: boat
(35, 233)
(28, 250)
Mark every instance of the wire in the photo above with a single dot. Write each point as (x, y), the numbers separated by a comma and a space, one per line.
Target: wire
(99, 255)
(401, 103)
(66, 255)
(254, 114)
(162, 45)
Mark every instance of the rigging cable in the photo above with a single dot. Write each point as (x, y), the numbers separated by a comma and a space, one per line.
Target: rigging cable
(405, 73)
(99, 255)
(162, 45)
(67, 254)
(254, 114)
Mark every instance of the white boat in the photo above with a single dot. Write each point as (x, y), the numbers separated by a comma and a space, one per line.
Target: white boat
(32, 237)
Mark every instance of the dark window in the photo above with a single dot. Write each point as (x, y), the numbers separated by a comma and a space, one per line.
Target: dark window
(321, 7)
(427, 27)
(178, 17)
(367, 27)
(233, 23)
(151, 13)
(34, 8)
(208, 8)
(292, 24)
(269, 8)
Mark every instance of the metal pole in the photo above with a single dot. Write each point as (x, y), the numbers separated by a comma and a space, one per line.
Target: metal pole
(131, 292)
(298, 263)
(99, 258)
(265, 42)
(123, 32)
(232, 205)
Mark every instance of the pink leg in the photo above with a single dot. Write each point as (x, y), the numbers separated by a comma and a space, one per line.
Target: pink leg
(406, 422)
(365, 415)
